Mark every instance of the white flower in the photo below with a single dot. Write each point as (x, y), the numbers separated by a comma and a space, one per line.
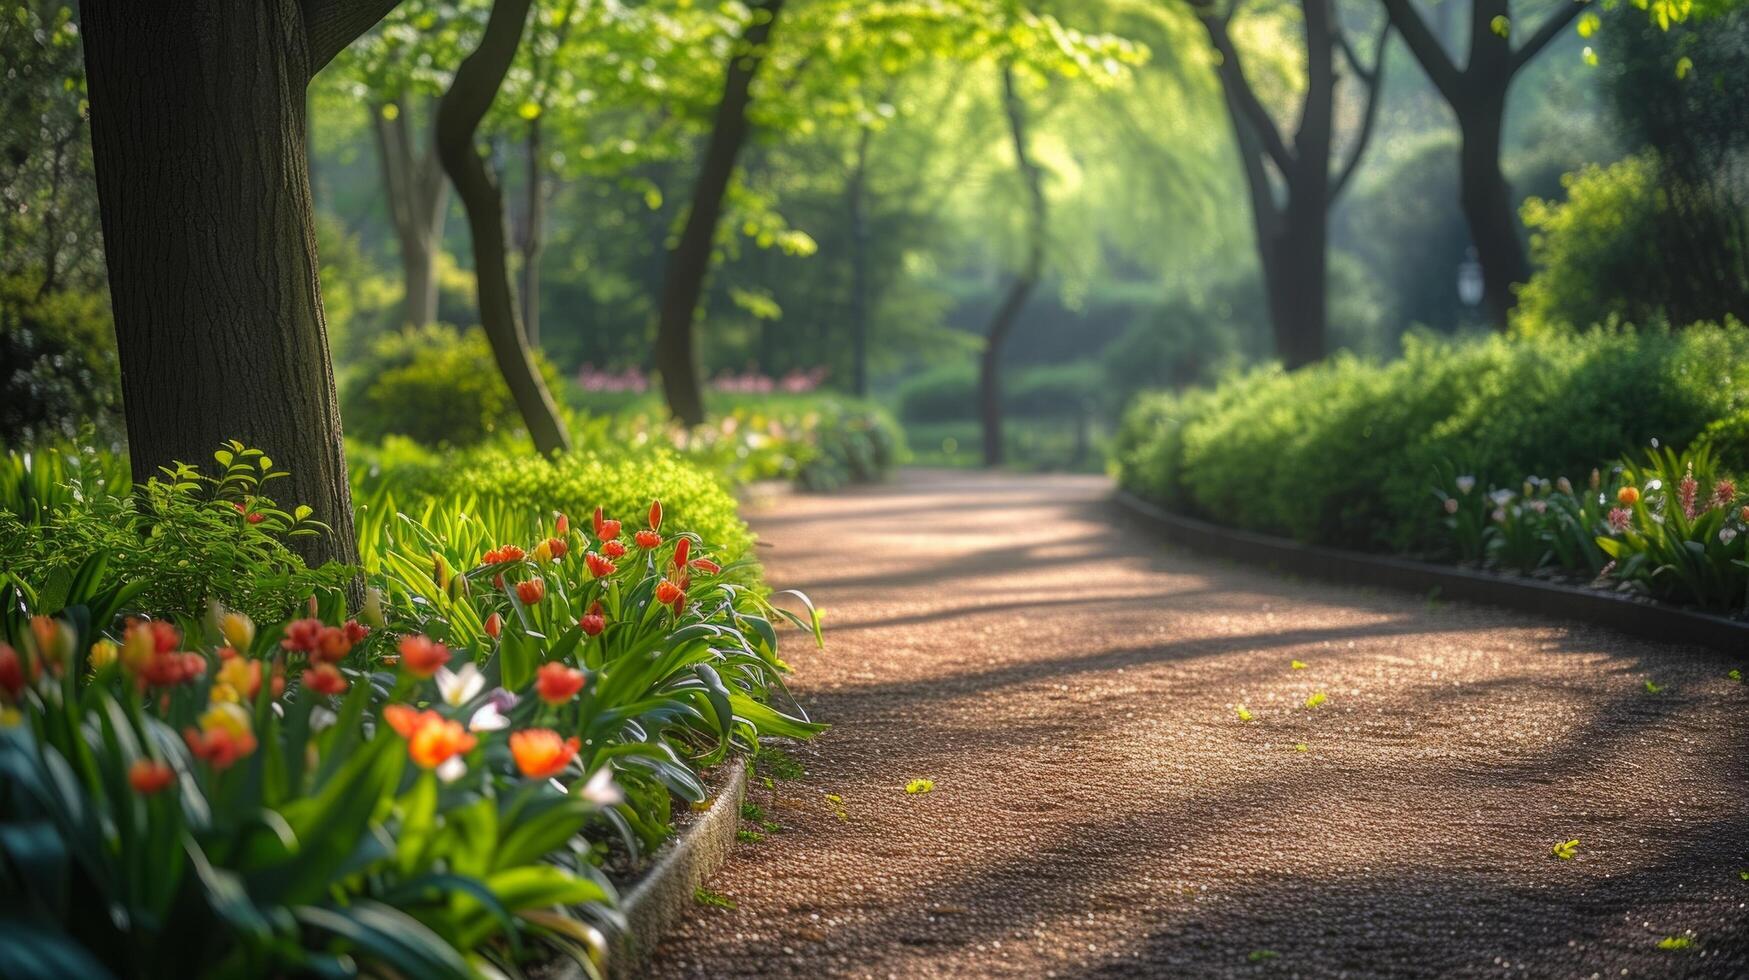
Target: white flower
(460, 687)
(452, 769)
(1501, 497)
(1499, 515)
(601, 790)
(321, 718)
(1727, 535)
(1540, 506)
(1466, 483)
(488, 719)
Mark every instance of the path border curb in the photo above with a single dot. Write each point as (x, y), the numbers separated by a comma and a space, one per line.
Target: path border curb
(664, 893)
(1612, 610)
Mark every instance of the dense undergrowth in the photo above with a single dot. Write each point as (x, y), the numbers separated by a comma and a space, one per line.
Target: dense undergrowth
(1358, 454)
(209, 758)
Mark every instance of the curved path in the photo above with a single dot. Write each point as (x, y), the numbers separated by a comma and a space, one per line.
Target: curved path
(1072, 687)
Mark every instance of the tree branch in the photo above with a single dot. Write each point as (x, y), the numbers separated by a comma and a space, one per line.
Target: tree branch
(1240, 95)
(330, 25)
(1426, 48)
(1553, 26)
(1375, 83)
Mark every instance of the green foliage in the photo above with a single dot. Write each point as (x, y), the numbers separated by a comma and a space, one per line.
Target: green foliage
(1596, 253)
(1343, 453)
(58, 369)
(434, 384)
(71, 526)
(1680, 535)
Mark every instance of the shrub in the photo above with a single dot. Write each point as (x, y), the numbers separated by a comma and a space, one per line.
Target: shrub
(944, 393)
(435, 384)
(1596, 253)
(1344, 452)
(58, 368)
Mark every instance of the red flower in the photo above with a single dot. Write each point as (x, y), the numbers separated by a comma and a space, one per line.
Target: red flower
(681, 551)
(647, 539)
(1620, 517)
(325, 679)
(500, 555)
(707, 566)
(668, 593)
(532, 591)
(421, 655)
(255, 518)
(595, 621)
(1686, 491)
(605, 529)
(170, 669)
(494, 625)
(11, 673)
(655, 515)
(303, 635)
(558, 546)
(1724, 493)
(562, 526)
(540, 753)
(557, 683)
(332, 645)
(148, 777)
(613, 549)
(598, 566)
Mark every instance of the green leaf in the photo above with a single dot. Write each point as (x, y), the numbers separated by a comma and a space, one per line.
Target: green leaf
(388, 936)
(919, 786)
(1588, 24)
(1566, 850)
(1501, 25)
(1684, 65)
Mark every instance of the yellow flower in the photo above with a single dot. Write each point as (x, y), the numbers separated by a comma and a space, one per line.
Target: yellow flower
(10, 716)
(227, 718)
(543, 552)
(103, 653)
(238, 631)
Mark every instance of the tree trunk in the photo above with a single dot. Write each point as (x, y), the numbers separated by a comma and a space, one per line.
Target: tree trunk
(1032, 268)
(198, 129)
(533, 234)
(859, 300)
(1488, 207)
(418, 198)
(470, 95)
(1302, 263)
(689, 261)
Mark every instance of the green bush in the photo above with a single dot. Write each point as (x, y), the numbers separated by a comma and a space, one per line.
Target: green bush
(401, 475)
(944, 393)
(1345, 452)
(1596, 253)
(434, 384)
(58, 368)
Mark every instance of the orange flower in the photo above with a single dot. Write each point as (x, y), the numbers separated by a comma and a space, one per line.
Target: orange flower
(557, 683)
(500, 555)
(681, 551)
(605, 529)
(594, 621)
(559, 547)
(223, 736)
(437, 740)
(404, 718)
(1628, 496)
(148, 777)
(647, 539)
(540, 753)
(598, 566)
(421, 655)
(613, 549)
(667, 593)
(494, 625)
(655, 515)
(532, 591)
(325, 679)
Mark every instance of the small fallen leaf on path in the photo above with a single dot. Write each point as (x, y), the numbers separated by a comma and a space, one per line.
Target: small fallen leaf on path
(1676, 942)
(1244, 715)
(1297, 665)
(1744, 874)
(1259, 955)
(836, 802)
(1302, 747)
(1735, 675)
(1565, 850)
(917, 786)
(704, 896)
(1315, 700)
(1652, 688)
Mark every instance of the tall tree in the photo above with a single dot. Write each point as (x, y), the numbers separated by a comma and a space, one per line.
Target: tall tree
(197, 128)
(1477, 93)
(417, 196)
(690, 258)
(458, 118)
(1025, 280)
(1291, 210)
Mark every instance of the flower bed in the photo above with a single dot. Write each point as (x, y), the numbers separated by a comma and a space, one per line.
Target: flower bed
(428, 786)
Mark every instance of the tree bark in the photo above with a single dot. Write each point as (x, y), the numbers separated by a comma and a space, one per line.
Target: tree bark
(1031, 270)
(856, 189)
(689, 261)
(418, 198)
(533, 234)
(198, 129)
(470, 95)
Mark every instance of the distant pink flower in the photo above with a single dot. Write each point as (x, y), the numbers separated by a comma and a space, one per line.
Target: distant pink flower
(1619, 518)
(1686, 491)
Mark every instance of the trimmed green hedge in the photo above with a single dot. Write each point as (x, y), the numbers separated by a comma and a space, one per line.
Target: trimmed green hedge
(1343, 453)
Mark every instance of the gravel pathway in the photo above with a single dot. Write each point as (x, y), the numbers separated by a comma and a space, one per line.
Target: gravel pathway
(1100, 809)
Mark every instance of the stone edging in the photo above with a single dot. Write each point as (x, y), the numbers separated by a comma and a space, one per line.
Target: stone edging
(1612, 610)
(664, 893)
